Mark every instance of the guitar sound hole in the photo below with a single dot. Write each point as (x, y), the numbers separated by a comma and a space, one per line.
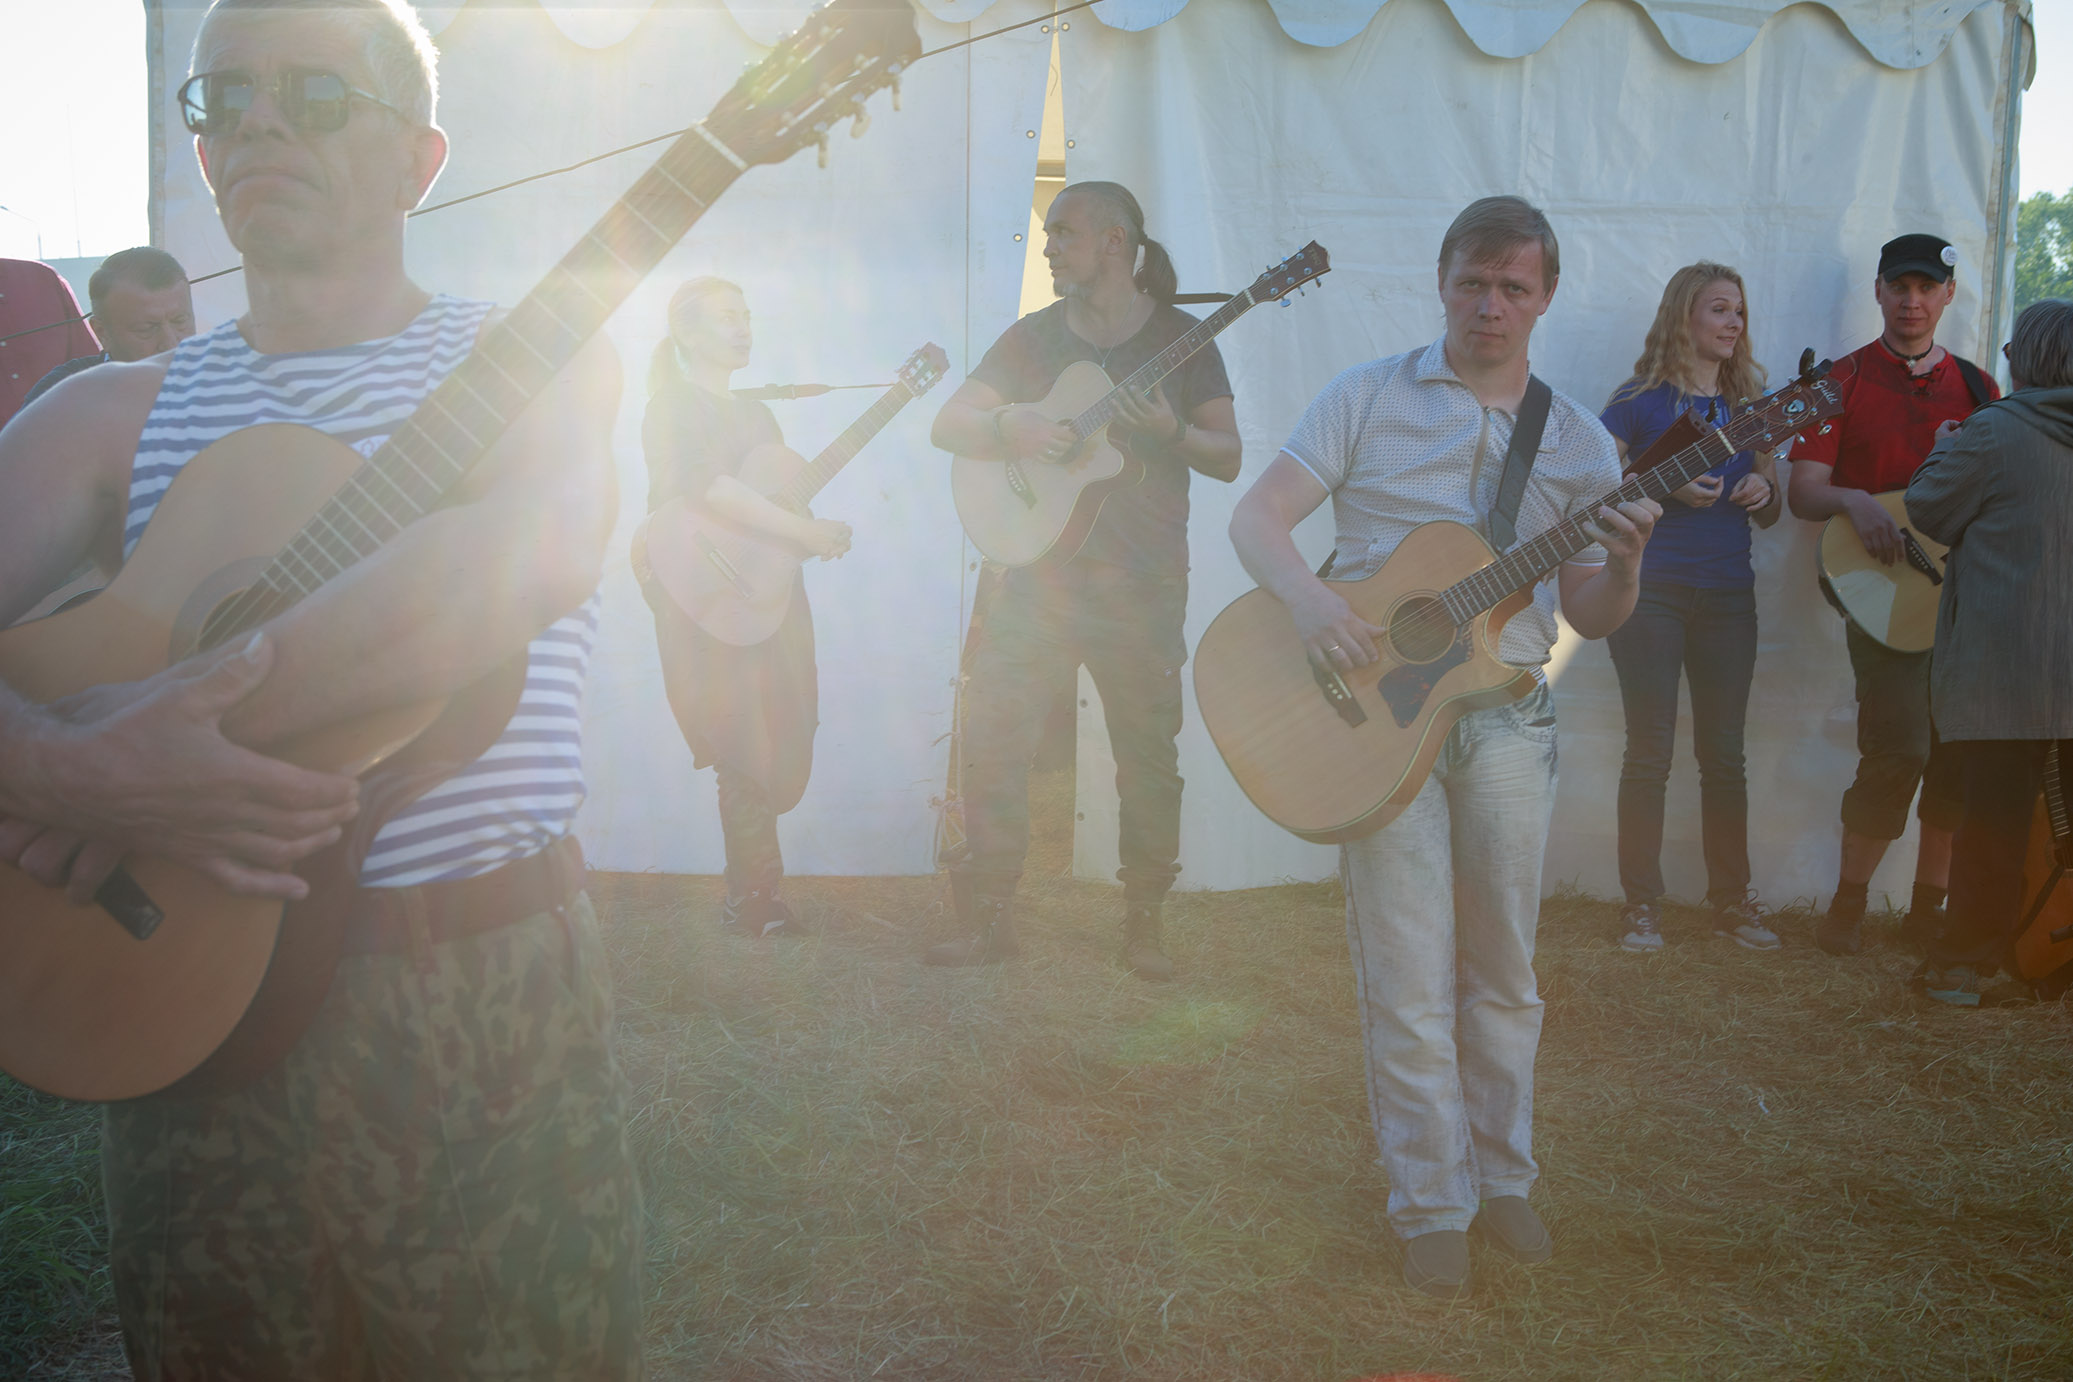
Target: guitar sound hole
(1419, 629)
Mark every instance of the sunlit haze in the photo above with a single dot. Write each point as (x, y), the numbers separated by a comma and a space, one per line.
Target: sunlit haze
(75, 168)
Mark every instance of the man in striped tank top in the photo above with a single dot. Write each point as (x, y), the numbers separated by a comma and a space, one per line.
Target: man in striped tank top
(434, 1180)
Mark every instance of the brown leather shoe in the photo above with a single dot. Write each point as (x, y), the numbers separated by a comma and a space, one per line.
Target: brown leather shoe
(1510, 1223)
(1436, 1263)
(992, 939)
(1142, 954)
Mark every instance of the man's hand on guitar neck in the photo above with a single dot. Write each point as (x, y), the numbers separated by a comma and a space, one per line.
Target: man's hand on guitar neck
(144, 767)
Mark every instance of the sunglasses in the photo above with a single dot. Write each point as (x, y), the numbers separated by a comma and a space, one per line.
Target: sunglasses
(311, 100)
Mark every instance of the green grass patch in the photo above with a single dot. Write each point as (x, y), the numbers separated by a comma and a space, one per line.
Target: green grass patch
(53, 1237)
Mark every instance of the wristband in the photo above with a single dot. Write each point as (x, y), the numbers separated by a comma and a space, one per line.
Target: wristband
(1180, 430)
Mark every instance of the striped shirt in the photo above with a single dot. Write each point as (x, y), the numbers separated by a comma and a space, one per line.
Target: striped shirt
(521, 795)
(1402, 441)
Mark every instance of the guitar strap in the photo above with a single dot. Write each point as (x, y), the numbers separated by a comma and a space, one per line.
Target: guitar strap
(1518, 463)
(1975, 381)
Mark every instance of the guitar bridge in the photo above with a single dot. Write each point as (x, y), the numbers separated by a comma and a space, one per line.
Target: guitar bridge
(1019, 483)
(1339, 696)
(1919, 559)
(132, 907)
(729, 572)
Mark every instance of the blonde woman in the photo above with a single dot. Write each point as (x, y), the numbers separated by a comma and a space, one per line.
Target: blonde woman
(1696, 614)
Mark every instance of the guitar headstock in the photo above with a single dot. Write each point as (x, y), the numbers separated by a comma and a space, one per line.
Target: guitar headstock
(817, 76)
(1811, 398)
(1306, 265)
(923, 368)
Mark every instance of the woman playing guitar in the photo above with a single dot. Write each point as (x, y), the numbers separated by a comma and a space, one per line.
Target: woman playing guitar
(1696, 611)
(750, 712)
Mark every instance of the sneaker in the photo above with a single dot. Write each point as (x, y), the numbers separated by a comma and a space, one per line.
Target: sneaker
(1437, 1264)
(1510, 1223)
(1958, 985)
(1642, 926)
(1840, 933)
(1741, 921)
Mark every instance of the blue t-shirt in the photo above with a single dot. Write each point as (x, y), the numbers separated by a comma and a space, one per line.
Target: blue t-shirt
(1707, 548)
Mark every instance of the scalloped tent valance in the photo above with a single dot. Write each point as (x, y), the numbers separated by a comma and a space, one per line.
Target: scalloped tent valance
(1900, 35)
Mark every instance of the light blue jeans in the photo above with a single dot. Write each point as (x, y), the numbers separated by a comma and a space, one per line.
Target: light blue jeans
(1441, 906)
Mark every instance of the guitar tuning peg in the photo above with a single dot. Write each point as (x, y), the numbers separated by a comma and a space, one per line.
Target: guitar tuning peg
(858, 123)
(821, 139)
(895, 85)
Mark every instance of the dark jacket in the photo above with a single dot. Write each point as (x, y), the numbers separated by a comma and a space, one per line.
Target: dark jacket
(2000, 492)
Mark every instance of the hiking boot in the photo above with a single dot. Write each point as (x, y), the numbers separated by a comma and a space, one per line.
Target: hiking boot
(1741, 921)
(1437, 1264)
(758, 914)
(992, 938)
(1840, 933)
(1920, 928)
(1142, 954)
(1510, 1223)
(1642, 928)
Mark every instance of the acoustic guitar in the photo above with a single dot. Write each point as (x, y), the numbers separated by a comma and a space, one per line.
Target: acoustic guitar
(1333, 756)
(1021, 512)
(1894, 604)
(735, 582)
(153, 983)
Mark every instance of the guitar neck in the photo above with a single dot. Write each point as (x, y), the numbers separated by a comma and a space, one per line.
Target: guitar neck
(1533, 559)
(429, 454)
(838, 453)
(1164, 363)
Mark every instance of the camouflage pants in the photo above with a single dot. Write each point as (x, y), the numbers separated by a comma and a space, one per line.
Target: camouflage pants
(435, 1183)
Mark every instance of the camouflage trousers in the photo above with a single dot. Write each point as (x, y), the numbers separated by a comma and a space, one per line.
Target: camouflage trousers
(435, 1183)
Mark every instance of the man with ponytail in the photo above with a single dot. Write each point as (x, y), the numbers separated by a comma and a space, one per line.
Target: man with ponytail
(1117, 605)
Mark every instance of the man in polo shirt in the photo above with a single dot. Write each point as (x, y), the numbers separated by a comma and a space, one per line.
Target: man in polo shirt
(1441, 904)
(141, 305)
(1896, 392)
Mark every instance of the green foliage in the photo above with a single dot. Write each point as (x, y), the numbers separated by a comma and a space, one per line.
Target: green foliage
(2043, 248)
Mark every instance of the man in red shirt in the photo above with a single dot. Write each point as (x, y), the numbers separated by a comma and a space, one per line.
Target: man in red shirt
(1896, 392)
(40, 329)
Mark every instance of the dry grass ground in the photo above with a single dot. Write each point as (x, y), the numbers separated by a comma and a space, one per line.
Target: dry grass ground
(1756, 1166)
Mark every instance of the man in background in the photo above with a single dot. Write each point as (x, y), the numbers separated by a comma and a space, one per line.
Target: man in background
(141, 306)
(40, 329)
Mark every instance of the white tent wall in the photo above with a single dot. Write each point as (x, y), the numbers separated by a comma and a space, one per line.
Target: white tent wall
(914, 232)
(1792, 152)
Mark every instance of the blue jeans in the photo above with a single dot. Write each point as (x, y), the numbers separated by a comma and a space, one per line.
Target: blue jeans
(1441, 907)
(1710, 636)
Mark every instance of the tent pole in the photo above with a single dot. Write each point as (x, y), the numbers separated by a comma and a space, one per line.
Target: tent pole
(2000, 304)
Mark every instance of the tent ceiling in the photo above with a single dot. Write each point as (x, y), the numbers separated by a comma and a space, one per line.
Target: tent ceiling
(1898, 33)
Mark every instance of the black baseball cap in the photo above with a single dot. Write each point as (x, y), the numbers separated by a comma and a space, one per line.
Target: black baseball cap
(1918, 254)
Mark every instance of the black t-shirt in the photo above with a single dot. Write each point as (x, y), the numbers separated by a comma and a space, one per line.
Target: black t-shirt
(1144, 527)
(692, 437)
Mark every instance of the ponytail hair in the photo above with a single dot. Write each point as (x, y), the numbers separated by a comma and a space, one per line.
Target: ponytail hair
(665, 366)
(1154, 276)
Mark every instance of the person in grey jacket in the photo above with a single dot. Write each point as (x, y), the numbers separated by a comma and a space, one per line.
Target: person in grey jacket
(1998, 488)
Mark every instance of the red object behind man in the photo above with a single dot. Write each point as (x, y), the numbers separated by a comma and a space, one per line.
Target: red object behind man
(32, 295)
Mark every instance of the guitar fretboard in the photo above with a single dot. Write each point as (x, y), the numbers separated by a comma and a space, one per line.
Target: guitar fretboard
(426, 457)
(1164, 363)
(1533, 559)
(822, 468)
